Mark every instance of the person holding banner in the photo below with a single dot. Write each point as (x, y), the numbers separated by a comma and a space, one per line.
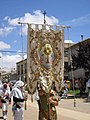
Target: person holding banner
(18, 100)
(48, 101)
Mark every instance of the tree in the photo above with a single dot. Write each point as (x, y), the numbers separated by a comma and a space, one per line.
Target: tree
(82, 58)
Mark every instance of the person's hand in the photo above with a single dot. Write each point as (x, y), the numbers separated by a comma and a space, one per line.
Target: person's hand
(25, 98)
(50, 100)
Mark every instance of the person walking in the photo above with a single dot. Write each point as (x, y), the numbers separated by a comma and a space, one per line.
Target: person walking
(18, 100)
(5, 96)
(47, 101)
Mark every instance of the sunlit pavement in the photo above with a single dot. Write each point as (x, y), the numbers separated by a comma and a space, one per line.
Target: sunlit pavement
(65, 110)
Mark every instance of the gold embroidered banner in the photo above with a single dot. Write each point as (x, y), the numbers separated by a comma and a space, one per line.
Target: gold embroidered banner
(45, 56)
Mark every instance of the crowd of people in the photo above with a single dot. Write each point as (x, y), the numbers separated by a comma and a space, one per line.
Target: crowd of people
(16, 94)
(7, 92)
(46, 100)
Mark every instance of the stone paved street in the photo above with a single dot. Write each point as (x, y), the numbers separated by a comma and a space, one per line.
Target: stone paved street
(66, 110)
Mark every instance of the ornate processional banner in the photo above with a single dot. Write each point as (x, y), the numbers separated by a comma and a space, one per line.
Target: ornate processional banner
(45, 56)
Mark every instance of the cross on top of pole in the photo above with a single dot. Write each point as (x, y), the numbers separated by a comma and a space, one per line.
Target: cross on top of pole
(44, 13)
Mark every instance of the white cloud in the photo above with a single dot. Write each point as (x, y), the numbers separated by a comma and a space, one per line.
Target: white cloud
(78, 21)
(9, 61)
(5, 30)
(4, 46)
(1, 31)
(13, 22)
(68, 41)
(36, 18)
(25, 56)
(15, 41)
(19, 51)
(6, 18)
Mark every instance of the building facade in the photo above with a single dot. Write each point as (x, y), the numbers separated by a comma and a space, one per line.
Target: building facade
(22, 70)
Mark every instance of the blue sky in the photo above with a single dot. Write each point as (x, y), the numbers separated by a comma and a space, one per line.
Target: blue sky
(74, 13)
